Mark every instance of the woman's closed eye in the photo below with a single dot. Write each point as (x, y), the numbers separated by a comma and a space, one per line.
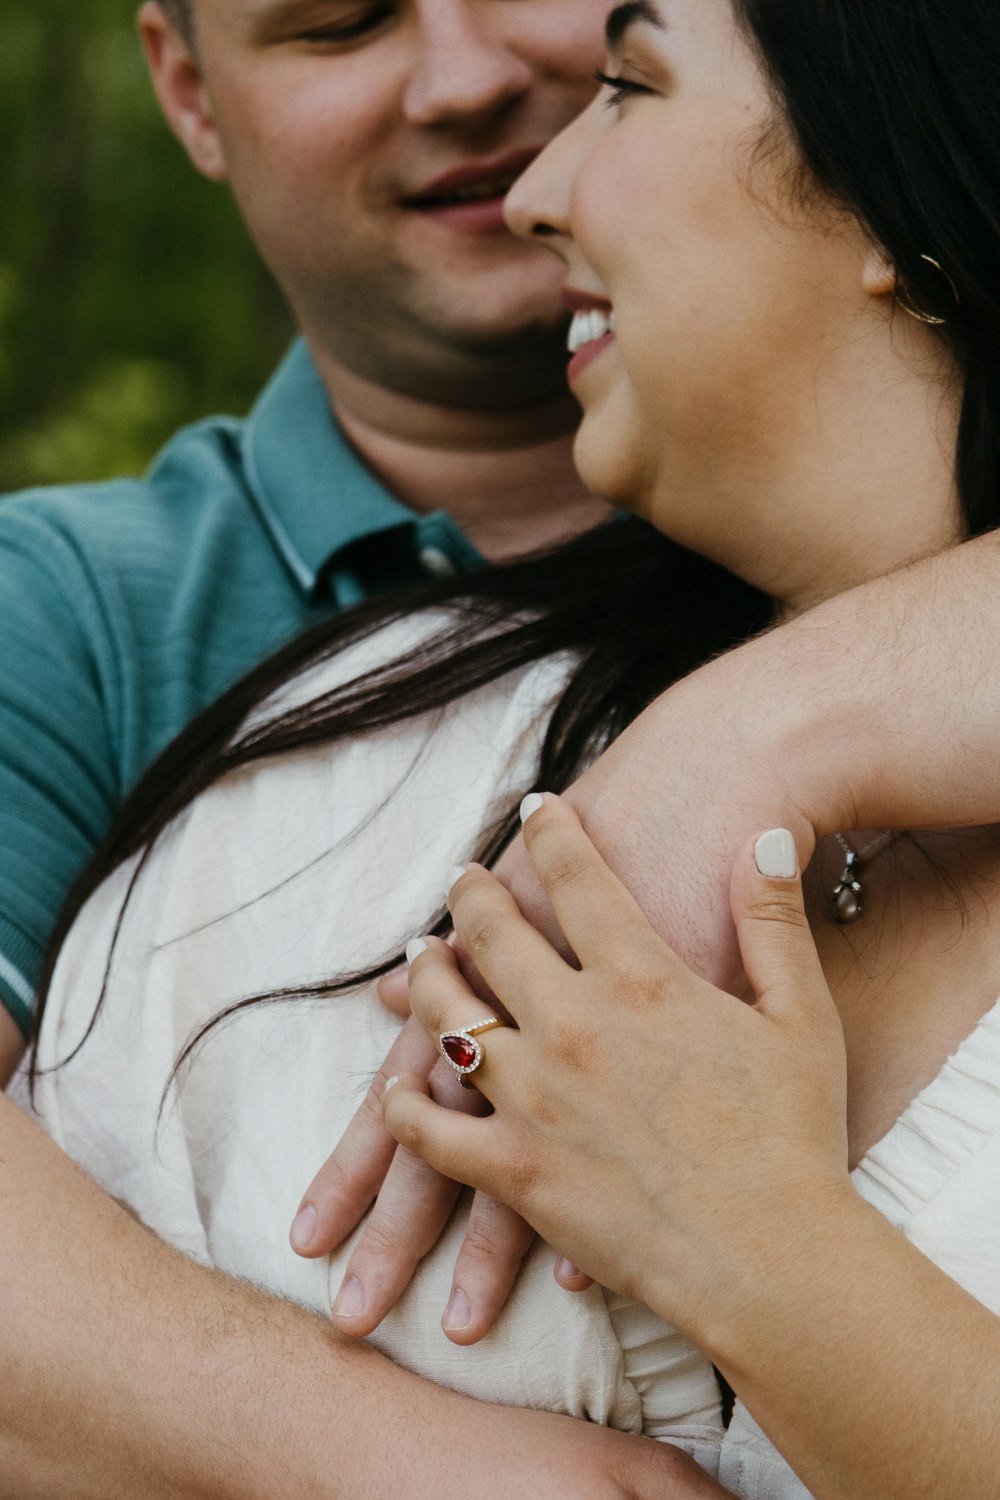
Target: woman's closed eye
(622, 88)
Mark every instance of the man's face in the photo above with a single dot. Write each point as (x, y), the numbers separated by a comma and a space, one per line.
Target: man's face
(369, 144)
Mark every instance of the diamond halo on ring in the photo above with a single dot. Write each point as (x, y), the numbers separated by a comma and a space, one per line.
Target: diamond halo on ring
(462, 1050)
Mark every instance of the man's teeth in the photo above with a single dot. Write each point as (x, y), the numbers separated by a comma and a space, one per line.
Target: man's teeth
(497, 187)
(588, 326)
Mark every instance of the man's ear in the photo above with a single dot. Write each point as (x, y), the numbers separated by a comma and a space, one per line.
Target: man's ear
(180, 88)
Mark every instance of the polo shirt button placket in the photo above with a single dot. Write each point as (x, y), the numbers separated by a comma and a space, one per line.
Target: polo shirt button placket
(436, 562)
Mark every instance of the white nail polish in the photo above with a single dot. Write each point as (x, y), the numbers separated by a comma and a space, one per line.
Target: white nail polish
(414, 948)
(774, 854)
(530, 804)
(454, 875)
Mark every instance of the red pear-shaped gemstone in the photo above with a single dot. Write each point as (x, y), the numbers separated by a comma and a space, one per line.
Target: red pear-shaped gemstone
(459, 1049)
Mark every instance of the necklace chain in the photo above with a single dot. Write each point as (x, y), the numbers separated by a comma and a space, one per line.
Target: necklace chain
(878, 843)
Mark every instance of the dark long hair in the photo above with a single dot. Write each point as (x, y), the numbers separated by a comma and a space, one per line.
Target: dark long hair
(894, 107)
(638, 611)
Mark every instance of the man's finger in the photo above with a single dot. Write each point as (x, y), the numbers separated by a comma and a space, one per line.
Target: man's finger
(345, 1186)
(496, 1242)
(406, 1223)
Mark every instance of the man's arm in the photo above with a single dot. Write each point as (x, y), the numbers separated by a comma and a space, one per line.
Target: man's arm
(878, 709)
(128, 1371)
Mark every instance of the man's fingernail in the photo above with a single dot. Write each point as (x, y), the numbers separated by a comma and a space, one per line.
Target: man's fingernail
(454, 876)
(350, 1301)
(390, 1083)
(530, 804)
(414, 948)
(304, 1228)
(458, 1313)
(774, 854)
(566, 1269)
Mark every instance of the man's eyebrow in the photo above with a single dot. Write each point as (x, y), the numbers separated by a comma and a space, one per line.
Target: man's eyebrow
(624, 16)
(269, 13)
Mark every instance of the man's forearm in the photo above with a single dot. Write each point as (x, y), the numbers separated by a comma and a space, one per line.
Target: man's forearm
(879, 708)
(130, 1371)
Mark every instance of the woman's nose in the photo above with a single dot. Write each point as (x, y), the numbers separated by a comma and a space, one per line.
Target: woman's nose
(538, 205)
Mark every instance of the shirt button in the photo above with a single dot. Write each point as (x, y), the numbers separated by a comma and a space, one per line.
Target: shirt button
(437, 562)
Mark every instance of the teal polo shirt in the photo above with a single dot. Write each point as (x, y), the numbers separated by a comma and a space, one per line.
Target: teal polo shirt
(125, 608)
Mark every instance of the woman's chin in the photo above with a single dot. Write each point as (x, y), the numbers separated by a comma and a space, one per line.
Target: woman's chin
(607, 466)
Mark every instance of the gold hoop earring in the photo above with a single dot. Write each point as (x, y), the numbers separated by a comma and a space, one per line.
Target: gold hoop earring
(904, 300)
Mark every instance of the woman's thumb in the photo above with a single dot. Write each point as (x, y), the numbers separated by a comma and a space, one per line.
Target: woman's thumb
(779, 954)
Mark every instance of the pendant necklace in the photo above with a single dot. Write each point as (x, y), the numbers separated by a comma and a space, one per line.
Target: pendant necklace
(846, 896)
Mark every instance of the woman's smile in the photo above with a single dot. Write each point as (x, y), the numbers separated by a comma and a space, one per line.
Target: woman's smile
(591, 331)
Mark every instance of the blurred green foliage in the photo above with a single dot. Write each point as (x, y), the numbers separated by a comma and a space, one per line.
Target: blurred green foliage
(130, 299)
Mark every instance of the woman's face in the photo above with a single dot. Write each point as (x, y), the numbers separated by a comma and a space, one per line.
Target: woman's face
(672, 201)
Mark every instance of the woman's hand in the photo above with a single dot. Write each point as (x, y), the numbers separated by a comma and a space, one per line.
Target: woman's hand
(652, 1127)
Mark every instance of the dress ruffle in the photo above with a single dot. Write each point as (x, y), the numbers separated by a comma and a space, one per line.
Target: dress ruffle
(955, 1116)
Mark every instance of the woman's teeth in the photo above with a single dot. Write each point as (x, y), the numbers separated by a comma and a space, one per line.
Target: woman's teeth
(588, 326)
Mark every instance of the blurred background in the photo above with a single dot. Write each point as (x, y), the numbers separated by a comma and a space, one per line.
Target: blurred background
(130, 299)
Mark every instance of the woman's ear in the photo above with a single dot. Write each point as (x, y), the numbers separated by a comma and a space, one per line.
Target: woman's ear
(878, 274)
(180, 88)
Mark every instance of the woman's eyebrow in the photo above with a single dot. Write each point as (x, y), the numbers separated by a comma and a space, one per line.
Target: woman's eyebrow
(628, 14)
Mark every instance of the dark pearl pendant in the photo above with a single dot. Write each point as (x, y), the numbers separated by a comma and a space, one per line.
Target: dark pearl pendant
(847, 903)
(846, 894)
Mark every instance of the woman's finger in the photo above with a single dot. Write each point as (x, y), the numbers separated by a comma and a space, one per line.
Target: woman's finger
(447, 1008)
(394, 991)
(495, 1244)
(345, 1187)
(779, 953)
(517, 963)
(466, 1148)
(596, 913)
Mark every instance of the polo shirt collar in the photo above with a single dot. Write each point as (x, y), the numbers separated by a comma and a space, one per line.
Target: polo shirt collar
(314, 494)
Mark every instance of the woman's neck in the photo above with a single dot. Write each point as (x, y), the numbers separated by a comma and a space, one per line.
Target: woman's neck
(851, 472)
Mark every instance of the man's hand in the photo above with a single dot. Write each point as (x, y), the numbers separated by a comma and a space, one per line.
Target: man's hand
(412, 1208)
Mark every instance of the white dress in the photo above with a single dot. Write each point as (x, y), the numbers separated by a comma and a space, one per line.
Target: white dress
(318, 863)
(936, 1177)
(304, 867)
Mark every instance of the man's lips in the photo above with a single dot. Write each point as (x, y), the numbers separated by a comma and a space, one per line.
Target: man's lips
(473, 182)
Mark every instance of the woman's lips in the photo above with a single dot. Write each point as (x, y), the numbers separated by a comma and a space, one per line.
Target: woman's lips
(586, 356)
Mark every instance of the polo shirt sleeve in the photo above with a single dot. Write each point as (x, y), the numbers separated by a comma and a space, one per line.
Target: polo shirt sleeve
(58, 781)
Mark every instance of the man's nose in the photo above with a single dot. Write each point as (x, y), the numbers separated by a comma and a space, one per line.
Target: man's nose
(464, 66)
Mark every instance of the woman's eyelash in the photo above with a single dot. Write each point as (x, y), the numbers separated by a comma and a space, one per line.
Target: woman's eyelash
(620, 87)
